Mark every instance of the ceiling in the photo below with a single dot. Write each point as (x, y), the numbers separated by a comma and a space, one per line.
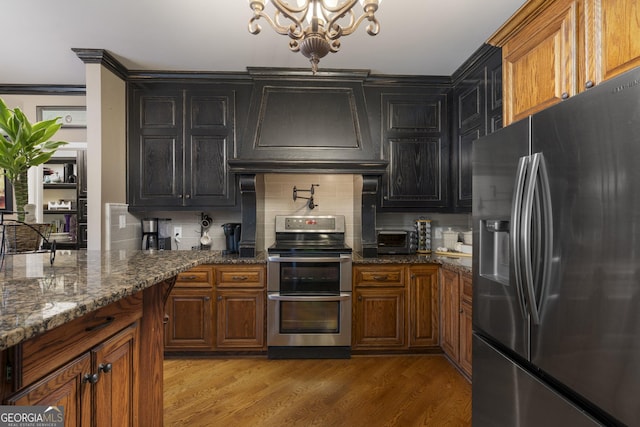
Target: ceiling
(417, 37)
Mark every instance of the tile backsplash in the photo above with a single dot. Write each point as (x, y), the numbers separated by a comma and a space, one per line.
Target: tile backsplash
(335, 194)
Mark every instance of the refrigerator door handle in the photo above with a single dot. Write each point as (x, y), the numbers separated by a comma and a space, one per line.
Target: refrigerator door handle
(516, 215)
(538, 180)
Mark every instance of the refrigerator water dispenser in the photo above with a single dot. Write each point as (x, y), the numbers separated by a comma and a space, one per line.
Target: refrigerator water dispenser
(494, 250)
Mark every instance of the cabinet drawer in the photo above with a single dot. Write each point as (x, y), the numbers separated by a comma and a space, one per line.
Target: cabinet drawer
(233, 276)
(380, 275)
(197, 277)
(46, 352)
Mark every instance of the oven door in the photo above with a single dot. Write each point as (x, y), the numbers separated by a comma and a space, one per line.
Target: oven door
(295, 320)
(309, 275)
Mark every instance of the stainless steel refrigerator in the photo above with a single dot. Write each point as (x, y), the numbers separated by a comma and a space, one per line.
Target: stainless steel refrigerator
(556, 222)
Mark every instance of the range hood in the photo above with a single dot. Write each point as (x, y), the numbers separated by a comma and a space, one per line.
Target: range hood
(301, 123)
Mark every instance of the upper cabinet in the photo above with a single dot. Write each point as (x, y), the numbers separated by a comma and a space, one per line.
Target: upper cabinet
(180, 139)
(555, 49)
(477, 111)
(414, 134)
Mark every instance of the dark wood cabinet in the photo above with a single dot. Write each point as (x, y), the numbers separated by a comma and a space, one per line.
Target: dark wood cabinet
(415, 142)
(91, 371)
(179, 142)
(423, 306)
(217, 308)
(477, 111)
(456, 318)
(395, 307)
(241, 307)
(189, 311)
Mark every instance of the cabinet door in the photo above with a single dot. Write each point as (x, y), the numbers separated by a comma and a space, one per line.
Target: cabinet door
(116, 393)
(190, 319)
(450, 313)
(616, 25)
(416, 144)
(540, 63)
(209, 139)
(64, 387)
(423, 307)
(379, 318)
(156, 148)
(240, 319)
(466, 322)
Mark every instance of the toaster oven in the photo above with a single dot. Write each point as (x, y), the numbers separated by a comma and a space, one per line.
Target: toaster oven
(396, 242)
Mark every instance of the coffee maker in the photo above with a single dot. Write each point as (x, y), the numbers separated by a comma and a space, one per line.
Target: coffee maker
(156, 233)
(232, 237)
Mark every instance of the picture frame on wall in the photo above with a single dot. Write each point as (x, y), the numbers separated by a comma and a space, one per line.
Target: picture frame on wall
(70, 116)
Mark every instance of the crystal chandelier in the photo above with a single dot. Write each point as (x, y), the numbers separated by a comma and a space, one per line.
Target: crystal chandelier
(314, 26)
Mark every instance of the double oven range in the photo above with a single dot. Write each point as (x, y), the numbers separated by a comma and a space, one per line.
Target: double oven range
(309, 289)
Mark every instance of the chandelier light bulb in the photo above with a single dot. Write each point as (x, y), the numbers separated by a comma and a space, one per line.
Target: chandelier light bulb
(314, 26)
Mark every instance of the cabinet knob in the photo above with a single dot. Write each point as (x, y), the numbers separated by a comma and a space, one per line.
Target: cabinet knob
(179, 196)
(219, 297)
(359, 297)
(106, 368)
(589, 84)
(188, 196)
(165, 319)
(565, 95)
(461, 311)
(207, 298)
(90, 378)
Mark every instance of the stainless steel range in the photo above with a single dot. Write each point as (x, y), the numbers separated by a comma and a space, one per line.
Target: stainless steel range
(309, 289)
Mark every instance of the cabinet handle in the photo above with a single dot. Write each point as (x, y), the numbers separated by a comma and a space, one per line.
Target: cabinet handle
(188, 277)
(380, 278)
(589, 84)
(359, 297)
(90, 378)
(106, 368)
(239, 278)
(166, 318)
(565, 95)
(107, 321)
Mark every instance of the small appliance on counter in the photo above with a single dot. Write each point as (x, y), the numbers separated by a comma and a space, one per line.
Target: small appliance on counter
(156, 233)
(232, 232)
(396, 242)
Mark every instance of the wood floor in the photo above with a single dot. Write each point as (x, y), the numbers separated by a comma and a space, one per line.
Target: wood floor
(369, 391)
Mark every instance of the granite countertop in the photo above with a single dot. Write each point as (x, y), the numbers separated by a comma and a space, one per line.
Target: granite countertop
(452, 262)
(37, 296)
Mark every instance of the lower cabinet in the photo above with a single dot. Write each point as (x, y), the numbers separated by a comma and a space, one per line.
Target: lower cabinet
(395, 306)
(217, 307)
(241, 307)
(88, 368)
(456, 317)
(189, 311)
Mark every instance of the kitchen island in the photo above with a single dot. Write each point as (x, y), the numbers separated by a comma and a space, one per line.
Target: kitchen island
(57, 319)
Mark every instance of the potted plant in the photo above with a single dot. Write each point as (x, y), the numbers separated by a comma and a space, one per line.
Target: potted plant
(24, 145)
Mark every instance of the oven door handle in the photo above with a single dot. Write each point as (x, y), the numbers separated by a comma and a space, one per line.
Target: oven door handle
(343, 258)
(298, 298)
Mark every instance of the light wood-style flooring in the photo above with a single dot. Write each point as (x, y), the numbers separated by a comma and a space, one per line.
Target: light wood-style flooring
(371, 391)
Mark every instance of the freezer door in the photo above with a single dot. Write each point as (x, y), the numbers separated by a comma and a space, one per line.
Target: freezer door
(504, 394)
(497, 311)
(589, 334)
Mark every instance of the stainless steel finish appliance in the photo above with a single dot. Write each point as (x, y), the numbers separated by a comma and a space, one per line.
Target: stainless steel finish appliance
(309, 289)
(556, 224)
(396, 242)
(156, 233)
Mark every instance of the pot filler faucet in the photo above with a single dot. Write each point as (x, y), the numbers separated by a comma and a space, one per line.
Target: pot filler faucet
(311, 203)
